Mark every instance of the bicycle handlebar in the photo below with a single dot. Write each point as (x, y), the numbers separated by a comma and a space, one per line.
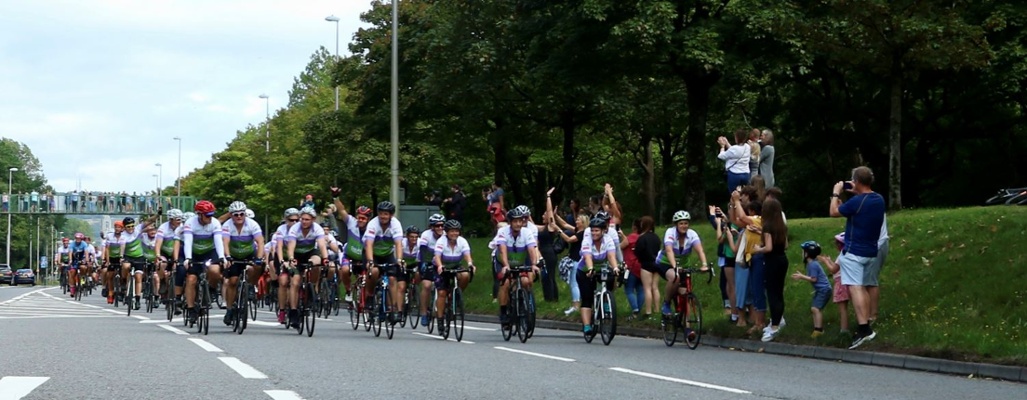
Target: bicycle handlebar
(709, 271)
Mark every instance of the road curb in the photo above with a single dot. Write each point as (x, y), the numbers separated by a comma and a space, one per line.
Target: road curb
(890, 360)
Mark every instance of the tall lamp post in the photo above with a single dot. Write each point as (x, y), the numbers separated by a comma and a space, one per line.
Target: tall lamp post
(267, 122)
(179, 180)
(332, 18)
(10, 181)
(394, 189)
(160, 183)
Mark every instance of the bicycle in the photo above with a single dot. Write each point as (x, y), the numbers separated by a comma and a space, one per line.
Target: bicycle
(604, 309)
(381, 303)
(241, 317)
(410, 304)
(202, 301)
(117, 285)
(454, 313)
(306, 299)
(169, 287)
(358, 309)
(686, 312)
(148, 286)
(520, 309)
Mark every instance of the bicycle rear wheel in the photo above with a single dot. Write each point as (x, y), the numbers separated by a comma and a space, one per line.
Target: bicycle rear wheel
(378, 310)
(458, 313)
(334, 295)
(148, 292)
(531, 313)
(390, 325)
(693, 322)
(129, 294)
(254, 303)
(242, 305)
(169, 301)
(205, 306)
(607, 318)
(354, 309)
(411, 309)
(308, 314)
(522, 316)
(323, 299)
(78, 292)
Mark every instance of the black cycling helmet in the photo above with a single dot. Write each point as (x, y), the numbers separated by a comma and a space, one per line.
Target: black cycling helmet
(128, 221)
(452, 224)
(413, 229)
(811, 248)
(386, 206)
(597, 222)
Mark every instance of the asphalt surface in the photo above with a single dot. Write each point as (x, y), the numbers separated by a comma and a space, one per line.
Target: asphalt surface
(53, 347)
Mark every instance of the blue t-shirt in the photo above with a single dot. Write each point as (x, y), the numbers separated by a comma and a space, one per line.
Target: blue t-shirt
(815, 271)
(865, 213)
(494, 196)
(77, 250)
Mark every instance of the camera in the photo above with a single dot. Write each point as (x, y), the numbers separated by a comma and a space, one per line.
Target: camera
(847, 185)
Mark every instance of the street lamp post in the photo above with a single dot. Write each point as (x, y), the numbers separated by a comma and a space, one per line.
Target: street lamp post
(267, 122)
(179, 180)
(395, 103)
(332, 18)
(160, 183)
(10, 181)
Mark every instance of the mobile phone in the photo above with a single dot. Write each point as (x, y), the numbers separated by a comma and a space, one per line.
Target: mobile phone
(846, 185)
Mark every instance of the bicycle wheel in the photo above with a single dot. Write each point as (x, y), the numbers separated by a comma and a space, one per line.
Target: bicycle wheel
(531, 314)
(369, 310)
(378, 312)
(354, 309)
(218, 295)
(148, 292)
(308, 315)
(117, 290)
(254, 303)
(78, 292)
(522, 314)
(458, 313)
(608, 319)
(432, 312)
(411, 309)
(390, 323)
(670, 328)
(169, 301)
(205, 302)
(693, 322)
(334, 294)
(322, 299)
(129, 294)
(242, 306)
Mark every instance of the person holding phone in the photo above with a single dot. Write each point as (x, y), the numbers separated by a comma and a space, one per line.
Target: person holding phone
(864, 213)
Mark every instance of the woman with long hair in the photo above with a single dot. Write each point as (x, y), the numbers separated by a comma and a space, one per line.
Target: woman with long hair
(646, 247)
(775, 240)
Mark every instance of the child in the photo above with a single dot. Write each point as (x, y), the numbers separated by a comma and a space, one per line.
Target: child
(727, 245)
(841, 293)
(821, 286)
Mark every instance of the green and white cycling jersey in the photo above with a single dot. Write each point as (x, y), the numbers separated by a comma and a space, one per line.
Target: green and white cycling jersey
(133, 242)
(517, 245)
(202, 239)
(112, 245)
(65, 254)
(306, 241)
(411, 251)
(242, 240)
(168, 237)
(681, 244)
(354, 244)
(149, 251)
(383, 238)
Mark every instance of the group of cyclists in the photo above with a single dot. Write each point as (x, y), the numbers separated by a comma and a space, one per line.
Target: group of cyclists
(371, 244)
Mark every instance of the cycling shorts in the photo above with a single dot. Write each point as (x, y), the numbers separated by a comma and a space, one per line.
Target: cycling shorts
(197, 265)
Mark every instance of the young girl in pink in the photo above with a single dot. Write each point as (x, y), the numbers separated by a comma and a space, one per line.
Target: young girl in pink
(841, 293)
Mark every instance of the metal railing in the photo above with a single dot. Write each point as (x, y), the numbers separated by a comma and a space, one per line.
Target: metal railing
(91, 203)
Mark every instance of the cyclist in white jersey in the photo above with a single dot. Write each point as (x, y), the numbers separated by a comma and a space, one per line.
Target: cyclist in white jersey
(245, 242)
(306, 247)
(448, 252)
(515, 249)
(383, 243)
(169, 247)
(426, 242)
(291, 217)
(201, 238)
(112, 260)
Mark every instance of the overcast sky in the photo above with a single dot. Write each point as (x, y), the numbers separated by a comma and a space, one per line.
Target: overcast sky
(98, 89)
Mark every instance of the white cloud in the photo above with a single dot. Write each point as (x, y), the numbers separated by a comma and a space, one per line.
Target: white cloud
(98, 89)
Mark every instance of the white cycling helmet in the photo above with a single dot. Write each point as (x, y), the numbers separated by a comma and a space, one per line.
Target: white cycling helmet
(436, 218)
(309, 211)
(681, 216)
(175, 213)
(236, 206)
(188, 215)
(291, 211)
(250, 214)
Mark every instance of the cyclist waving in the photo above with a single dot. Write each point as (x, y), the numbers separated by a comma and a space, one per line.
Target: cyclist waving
(132, 254)
(353, 250)
(383, 243)
(245, 242)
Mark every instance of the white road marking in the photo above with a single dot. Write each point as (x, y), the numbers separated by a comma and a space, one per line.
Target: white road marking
(534, 354)
(113, 311)
(264, 323)
(16, 387)
(154, 321)
(174, 330)
(91, 306)
(140, 317)
(242, 368)
(440, 337)
(475, 328)
(206, 345)
(683, 381)
(283, 395)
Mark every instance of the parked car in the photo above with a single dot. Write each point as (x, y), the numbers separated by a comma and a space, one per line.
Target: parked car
(6, 275)
(24, 276)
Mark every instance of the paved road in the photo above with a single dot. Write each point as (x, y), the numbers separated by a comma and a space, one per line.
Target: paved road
(39, 326)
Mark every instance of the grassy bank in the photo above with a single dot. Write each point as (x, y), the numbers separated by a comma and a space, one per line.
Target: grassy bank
(953, 286)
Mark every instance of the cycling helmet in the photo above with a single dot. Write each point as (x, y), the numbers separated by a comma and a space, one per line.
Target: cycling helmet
(64, 239)
(386, 206)
(453, 224)
(204, 207)
(250, 214)
(436, 219)
(309, 211)
(811, 248)
(413, 229)
(291, 212)
(602, 214)
(325, 224)
(523, 209)
(119, 224)
(515, 214)
(175, 213)
(365, 211)
(128, 221)
(597, 222)
(187, 215)
(79, 235)
(236, 206)
(681, 216)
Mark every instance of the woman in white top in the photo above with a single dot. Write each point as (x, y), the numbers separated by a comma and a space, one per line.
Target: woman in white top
(736, 160)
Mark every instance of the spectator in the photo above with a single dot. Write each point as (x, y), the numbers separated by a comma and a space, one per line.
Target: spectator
(840, 294)
(767, 157)
(821, 286)
(7, 202)
(726, 247)
(749, 265)
(775, 242)
(633, 289)
(433, 199)
(574, 208)
(494, 198)
(24, 202)
(547, 233)
(573, 235)
(864, 214)
(646, 247)
(34, 201)
(308, 201)
(736, 160)
(754, 149)
(455, 204)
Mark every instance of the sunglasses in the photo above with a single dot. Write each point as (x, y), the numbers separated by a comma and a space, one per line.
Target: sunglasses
(293, 220)
(130, 226)
(239, 214)
(436, 226)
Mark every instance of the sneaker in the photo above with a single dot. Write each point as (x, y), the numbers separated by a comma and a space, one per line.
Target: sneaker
(666, 309)
(229, 317)
(782, 324)
(425, 319)
(816, 334)
(193, 313)
(587, 329)
(136, 303)
(859, 339)
(570, 311)
(349, 297)
(770, 333)
(281, 317)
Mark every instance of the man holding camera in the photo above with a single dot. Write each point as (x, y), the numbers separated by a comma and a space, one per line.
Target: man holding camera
(864, 213)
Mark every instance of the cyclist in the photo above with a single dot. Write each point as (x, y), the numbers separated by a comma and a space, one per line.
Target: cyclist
(600, 254)
(245, 242)
(63, 259)
(167, 240)
(132, 254)
(678, 243)
(515, 247)
(111, 260)
(201, 238)
(448, 254)
(383, 244)
(77, 253)
(334, 248)
(353, 261)
(90, 262)
(426, 242)
(149, 242)
(292, 216)
(304, 240)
